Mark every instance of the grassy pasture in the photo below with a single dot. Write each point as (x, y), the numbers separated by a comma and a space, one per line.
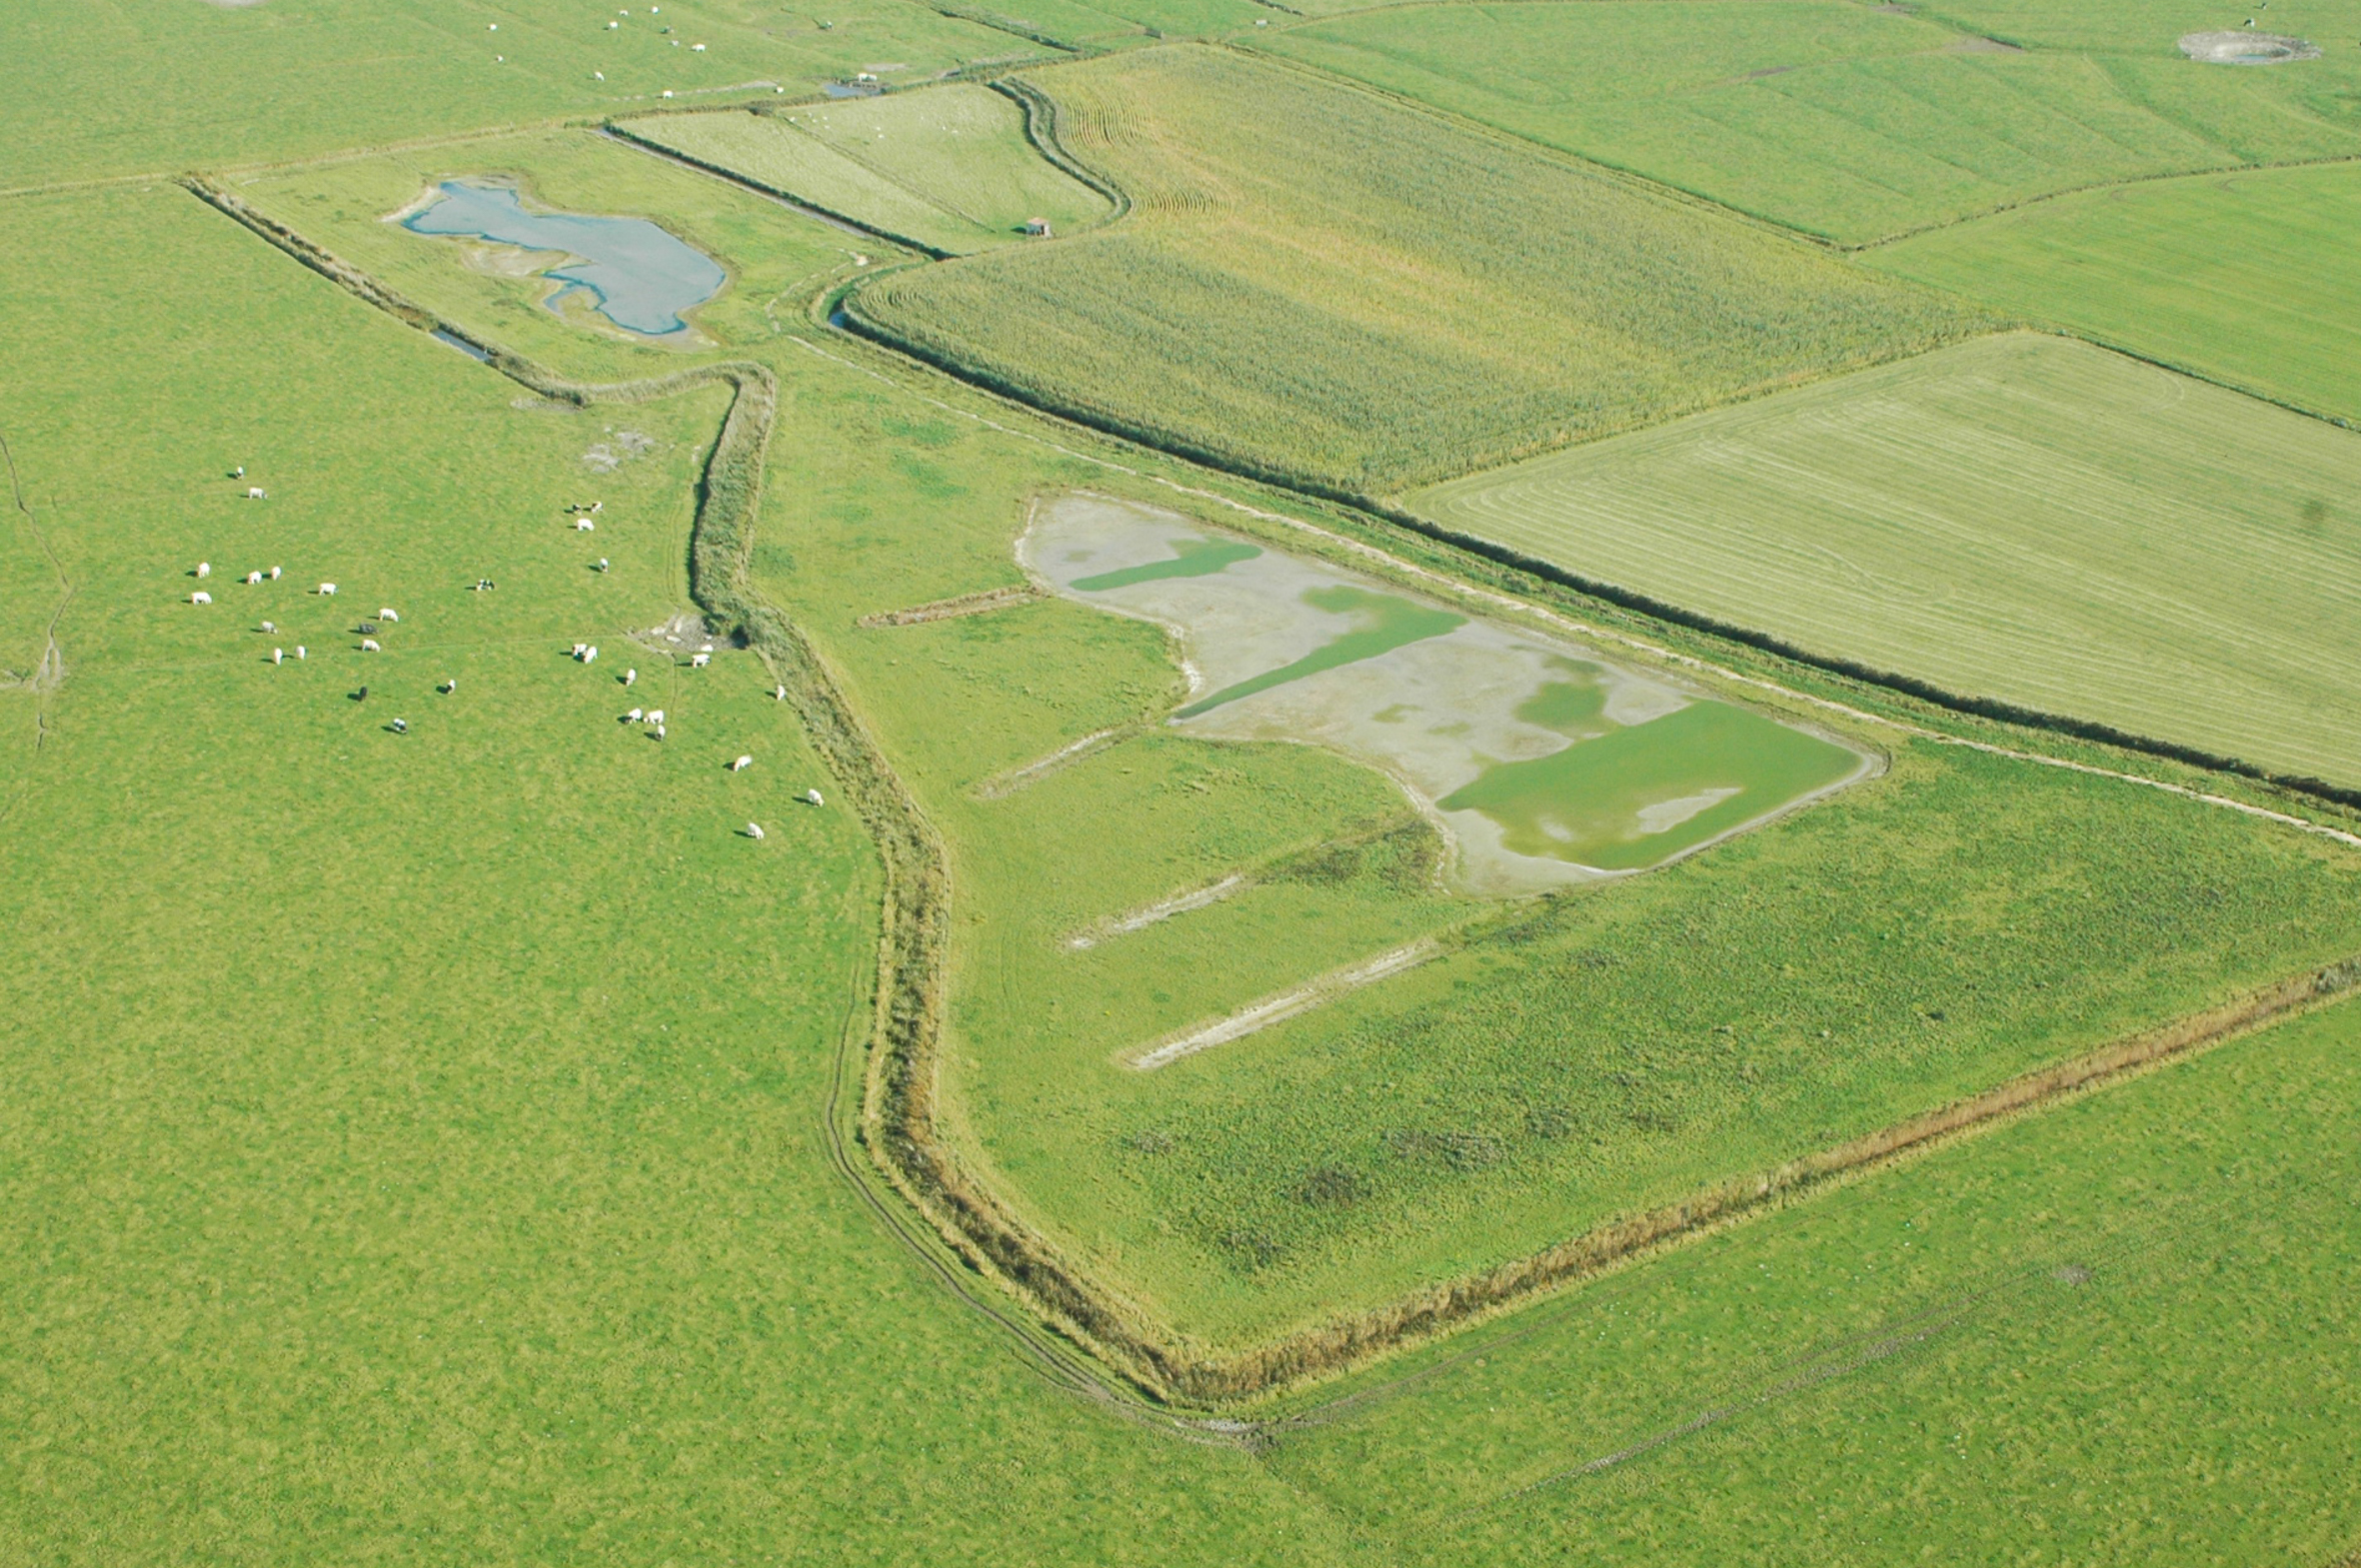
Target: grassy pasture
(1318, 284)
(412, 1148)
(2024, 518)
(2243, 278)
(2112, 1334)
(949, 168)
(90, 91)
(1849, 123)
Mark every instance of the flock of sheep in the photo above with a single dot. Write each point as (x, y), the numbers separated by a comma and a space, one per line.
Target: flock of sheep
(582, 653)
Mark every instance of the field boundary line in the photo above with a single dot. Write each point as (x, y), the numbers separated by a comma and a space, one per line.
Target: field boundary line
(49, 672)
(1502, 601)
(983, 602)
(756, 187)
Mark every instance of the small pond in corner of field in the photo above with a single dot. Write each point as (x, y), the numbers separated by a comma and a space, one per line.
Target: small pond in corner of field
(640, 274)
(1546, 764)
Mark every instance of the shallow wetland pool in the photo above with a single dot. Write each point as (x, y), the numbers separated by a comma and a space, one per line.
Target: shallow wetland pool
(1545, 763)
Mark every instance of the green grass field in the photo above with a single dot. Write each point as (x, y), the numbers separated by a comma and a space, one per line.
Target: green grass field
(422, 1146)
(2240, 278)
(90, 94)
(948, 168)
(1314, 283)
(2024, 518)
(1850, 124)
(2011, 1351)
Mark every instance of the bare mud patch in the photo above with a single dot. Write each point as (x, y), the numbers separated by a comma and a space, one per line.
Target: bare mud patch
(1542, 764)
(2245, 48)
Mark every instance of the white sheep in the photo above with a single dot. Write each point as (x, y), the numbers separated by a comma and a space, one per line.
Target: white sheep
(450, 685)
(754, 830)
(578, 648)
(369, 644)
(274, 574)
(299, 651)
(253, 578)
(660, 732)
(255, 492)
(700, 661)
(656, 715)
(742, 765)
(278, 656)
(629, 675)
(387, 614)
(583, 526)
(779, 693)
(590, 654)
(328, 590)
(200, 597)
(813, 795)
(204, 568)
(633, 717)
(269, 626)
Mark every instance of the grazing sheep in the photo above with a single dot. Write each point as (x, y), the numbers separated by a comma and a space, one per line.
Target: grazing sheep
(779, 693)
(598, 506)
(583, 526)
(299, 651)
(274, 574)
(629, 675)
(255, 492)
(590, 654)
(700, 661)
(204, 568)
(812, 795)
(278, 656)
(742, 765)
(754, 830)
(656, 715)
(369, 644)
(200, 597)
(633, 717)
(401, 726)
(328, 590)
(602, 563)
(387, 614)
(449, 685)
(660, 732)
(270, 626)
(239, 471)
(253, 578)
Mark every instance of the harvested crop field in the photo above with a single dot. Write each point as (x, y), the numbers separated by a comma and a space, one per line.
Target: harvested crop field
(2245, 279)
(1847, 121)
(1314, 283)
(2026, 517)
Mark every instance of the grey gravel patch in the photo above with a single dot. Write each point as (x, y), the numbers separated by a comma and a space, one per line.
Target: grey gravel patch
(2246, 48)
(2070, 1275)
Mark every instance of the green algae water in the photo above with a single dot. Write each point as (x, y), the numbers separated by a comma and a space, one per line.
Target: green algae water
(1636, 795)
(1190, 558)
(1390, 622)
(1544, 764)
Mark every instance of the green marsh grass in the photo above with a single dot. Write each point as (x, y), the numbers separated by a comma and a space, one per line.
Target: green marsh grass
(1317, 284)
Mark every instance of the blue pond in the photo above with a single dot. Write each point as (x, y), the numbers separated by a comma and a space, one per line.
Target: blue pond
(641, 275)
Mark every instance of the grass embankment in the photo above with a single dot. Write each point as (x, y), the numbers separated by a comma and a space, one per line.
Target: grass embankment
(2246, 280)
(167, 88)
(2024, 518)
(1850, 122)
(1318, 285)
(2113, 1334)
(950, 169)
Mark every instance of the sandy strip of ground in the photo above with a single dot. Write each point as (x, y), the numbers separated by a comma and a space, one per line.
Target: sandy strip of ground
(1288, 1005)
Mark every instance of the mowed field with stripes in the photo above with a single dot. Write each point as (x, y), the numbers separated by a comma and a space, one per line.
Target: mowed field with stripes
(2023, 518)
